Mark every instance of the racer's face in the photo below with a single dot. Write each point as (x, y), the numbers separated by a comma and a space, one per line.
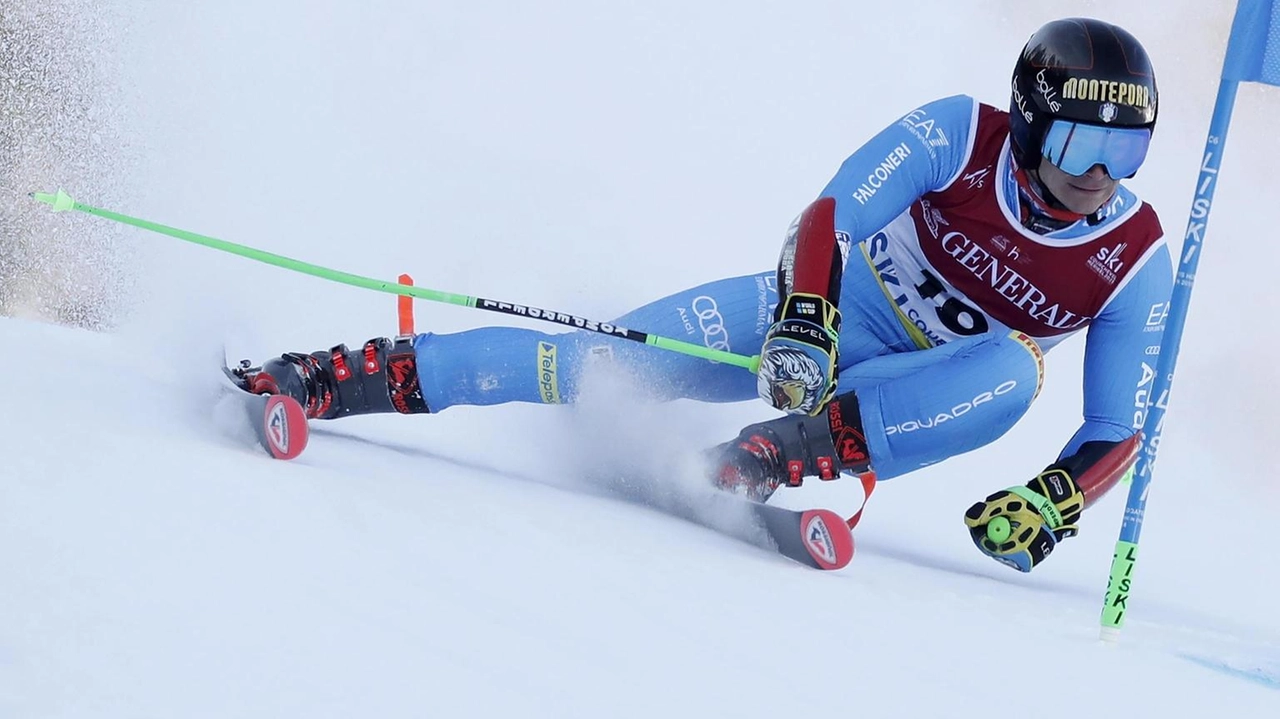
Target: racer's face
(1082, 194)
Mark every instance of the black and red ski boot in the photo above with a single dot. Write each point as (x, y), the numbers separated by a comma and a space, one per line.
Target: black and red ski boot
(382, 376)
(786, 450)
(751, 465)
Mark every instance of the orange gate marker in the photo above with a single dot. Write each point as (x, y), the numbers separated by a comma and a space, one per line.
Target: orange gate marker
(404, 307)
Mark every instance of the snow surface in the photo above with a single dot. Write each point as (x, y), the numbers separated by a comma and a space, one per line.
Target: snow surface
(586, 157)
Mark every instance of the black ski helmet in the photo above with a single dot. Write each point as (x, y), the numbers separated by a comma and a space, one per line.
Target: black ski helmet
(1083, 70)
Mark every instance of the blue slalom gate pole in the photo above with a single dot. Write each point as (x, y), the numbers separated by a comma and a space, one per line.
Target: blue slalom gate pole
(1253, 54)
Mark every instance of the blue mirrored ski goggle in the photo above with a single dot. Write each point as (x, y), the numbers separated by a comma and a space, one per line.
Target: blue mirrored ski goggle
(1075, 147)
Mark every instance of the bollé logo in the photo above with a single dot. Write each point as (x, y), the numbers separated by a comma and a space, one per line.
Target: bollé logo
(1046, 91)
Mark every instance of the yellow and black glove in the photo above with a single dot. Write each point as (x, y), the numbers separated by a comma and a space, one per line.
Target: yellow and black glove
(797, 371)
(1020, 526)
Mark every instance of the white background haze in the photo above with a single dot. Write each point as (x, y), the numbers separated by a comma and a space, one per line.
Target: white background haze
(587, 157)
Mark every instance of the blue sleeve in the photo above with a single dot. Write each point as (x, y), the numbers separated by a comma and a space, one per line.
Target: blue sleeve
(1120, 355)
(922, 152)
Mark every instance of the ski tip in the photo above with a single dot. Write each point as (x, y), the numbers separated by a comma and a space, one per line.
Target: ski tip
(827, 538)
(283, 431)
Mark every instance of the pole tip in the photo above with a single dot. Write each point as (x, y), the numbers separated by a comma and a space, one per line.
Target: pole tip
(1109, 635)
(60, 201)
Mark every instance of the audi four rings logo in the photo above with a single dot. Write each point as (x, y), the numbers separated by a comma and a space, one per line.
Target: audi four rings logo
(711, 322)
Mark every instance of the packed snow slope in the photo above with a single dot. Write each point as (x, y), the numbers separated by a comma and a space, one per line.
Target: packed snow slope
(586, 157)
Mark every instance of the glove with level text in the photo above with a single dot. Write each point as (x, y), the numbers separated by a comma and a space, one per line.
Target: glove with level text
(797, 371)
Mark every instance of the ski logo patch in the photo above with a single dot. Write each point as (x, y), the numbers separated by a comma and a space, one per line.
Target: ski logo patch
(817, 537)
(282, 426)
(277, 426)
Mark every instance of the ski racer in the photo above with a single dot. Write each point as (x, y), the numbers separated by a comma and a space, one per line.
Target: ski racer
(961, 243)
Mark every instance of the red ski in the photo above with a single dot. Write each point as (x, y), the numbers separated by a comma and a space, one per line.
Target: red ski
(278, 421)
(819, 538)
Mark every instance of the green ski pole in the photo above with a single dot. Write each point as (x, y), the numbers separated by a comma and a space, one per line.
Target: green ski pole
(60, 201)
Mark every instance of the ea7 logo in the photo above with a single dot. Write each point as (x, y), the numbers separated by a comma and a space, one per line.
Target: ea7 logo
(1155, 318)
(925, 128)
